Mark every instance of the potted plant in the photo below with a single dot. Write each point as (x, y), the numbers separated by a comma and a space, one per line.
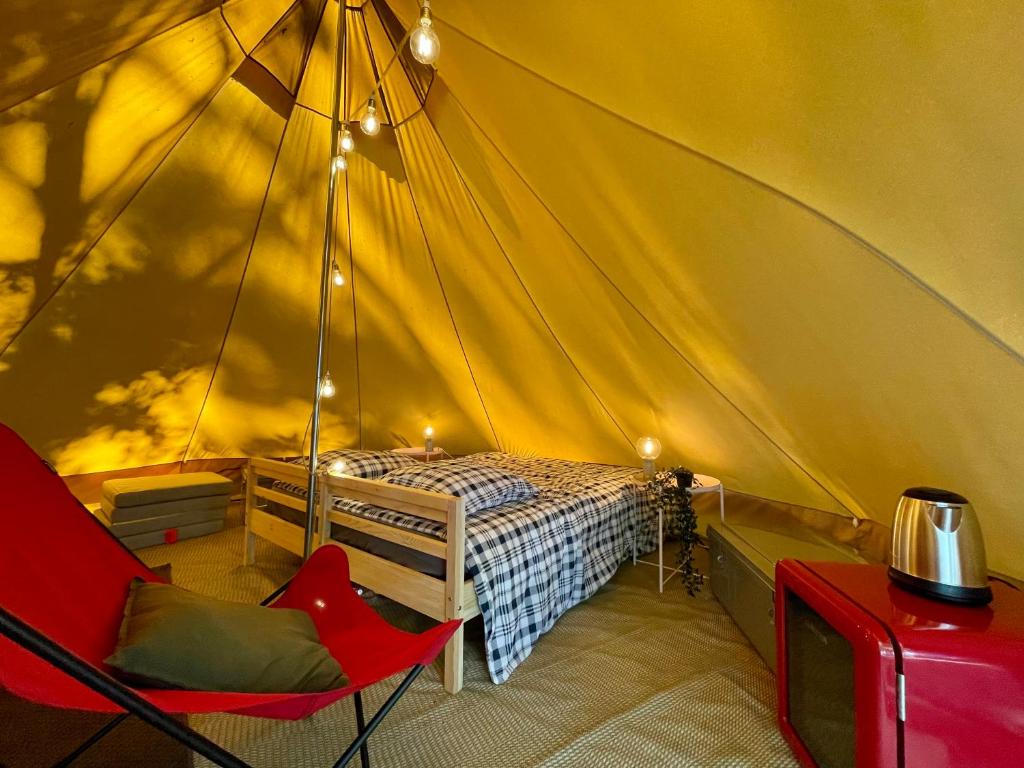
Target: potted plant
(670, 490)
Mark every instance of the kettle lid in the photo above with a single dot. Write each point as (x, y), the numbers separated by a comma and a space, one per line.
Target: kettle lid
(937, 495)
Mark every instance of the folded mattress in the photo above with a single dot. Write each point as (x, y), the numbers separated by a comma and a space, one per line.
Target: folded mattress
(121, 527)
(157, 489)
(201, 508)
(170, 535)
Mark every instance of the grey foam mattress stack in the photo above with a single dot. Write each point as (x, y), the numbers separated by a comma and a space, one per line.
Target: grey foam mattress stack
(145, 511)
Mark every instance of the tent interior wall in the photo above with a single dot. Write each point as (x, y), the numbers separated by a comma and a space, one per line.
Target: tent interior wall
(784, 238)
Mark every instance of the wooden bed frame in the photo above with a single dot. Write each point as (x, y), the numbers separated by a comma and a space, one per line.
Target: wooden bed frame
(441, 599)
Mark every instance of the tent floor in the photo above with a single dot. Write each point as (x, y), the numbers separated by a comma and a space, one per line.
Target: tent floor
(630, 677)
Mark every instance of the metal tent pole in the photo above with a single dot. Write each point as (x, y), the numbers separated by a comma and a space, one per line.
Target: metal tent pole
(325, 285)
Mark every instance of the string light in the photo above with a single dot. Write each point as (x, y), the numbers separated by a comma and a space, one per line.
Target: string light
(369, 122)
(345, 140)
(327, 388)
(423, 42)
(425, 47)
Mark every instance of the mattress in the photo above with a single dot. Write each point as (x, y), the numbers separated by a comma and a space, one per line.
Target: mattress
(396, 553)
(531, 561)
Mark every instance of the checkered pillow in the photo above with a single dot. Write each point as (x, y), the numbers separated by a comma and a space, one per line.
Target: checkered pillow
(371, 465)
(481, 486)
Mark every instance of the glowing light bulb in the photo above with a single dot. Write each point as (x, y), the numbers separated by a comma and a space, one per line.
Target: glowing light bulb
(428, 439)
(339, 163)
(337, 468)
(423, 42)
(345, 140)
(369, 122)
(327, 388)
(339, 279)
(648, 449)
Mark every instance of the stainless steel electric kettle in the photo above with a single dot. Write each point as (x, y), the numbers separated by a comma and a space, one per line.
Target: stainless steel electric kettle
(937, 549)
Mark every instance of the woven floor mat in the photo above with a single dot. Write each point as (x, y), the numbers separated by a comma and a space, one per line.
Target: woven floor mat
(629, 678)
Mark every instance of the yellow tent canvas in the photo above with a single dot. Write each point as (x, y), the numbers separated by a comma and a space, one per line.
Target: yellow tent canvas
(784, 239)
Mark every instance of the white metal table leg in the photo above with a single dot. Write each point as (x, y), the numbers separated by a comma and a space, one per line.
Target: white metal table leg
(661, 551)
(636, 530)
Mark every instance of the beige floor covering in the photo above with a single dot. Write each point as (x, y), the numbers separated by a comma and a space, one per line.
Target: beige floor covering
(629, 678)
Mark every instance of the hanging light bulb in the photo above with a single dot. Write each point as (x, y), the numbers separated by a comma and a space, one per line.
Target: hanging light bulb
(649, 449)
(339, 163)
(423, 42)
(345, 140)
(339, 279)
(369, 122)
(327, 388)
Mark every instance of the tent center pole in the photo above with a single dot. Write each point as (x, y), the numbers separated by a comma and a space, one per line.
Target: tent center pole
(325, 288)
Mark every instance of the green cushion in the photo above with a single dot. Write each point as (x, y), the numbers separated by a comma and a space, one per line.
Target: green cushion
(210, 504)
(158, 537)
(155, 489)
(162, 522)
(174, 638)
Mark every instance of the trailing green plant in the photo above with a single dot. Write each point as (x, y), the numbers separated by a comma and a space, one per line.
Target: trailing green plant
(671, 494)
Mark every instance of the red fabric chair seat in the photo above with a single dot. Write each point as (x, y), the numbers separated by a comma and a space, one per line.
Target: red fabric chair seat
(63, 574)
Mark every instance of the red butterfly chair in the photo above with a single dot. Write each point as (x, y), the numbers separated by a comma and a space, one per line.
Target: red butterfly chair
(63, 582)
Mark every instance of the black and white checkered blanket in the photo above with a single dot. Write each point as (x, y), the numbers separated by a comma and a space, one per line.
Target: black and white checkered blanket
(481, 486)
(371, 465)
(533, 560)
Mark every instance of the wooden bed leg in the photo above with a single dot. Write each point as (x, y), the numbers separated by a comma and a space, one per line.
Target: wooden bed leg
(454, 588)
(250, 547)
(324, 515)
(453, 662)
(249, 557)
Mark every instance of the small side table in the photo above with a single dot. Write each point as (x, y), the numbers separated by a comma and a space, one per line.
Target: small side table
(701, 484)
(420, 453)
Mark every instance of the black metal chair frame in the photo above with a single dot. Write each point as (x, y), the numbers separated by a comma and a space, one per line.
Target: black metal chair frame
(39, 644)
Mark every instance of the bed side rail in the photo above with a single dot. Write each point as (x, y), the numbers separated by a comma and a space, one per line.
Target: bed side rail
(263, 524)
(450, 598)
(438, 507)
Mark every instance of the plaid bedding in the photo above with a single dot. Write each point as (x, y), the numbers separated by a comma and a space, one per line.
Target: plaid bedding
(533, 560)
(481, 486)
(372, 465)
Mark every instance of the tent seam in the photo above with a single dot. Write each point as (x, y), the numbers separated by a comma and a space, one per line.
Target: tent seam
(232, 31)
(447, 303)
(376, 74)
(526, 290)
(256, 229)
(274, 77)
(448, 306)
(874, 250)
(405, 67)
(88, 251)
(355, 319)
(238, 294)
(111, 57)
(633, 306)
(310, 109)
(273, 26)
(309, 49)
(305, 53)
(351, 253)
